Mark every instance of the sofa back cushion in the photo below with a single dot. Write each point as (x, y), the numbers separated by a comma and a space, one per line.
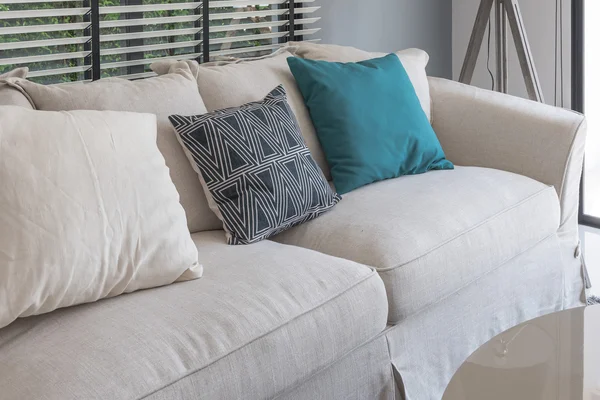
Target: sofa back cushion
(87, 210)
(10, 94)
(232, 84)
(15, 73)
(163, 96)
(414, 62)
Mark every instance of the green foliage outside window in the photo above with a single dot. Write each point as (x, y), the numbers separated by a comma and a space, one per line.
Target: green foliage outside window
(73, 48)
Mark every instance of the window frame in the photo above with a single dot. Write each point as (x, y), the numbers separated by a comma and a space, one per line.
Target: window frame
(578, 90)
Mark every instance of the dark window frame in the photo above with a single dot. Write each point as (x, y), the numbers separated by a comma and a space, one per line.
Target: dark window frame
(578, 89)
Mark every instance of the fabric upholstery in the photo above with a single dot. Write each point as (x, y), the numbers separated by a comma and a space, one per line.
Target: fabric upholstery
(413, 60)
(87, 210)
(258, 174)
(368, 119)
(16, 73)
(163, 96)
(539, 141)
(427, 348)
(429, 235)
(364, 374)
(262, 319)
(11, 94)
(236, 83)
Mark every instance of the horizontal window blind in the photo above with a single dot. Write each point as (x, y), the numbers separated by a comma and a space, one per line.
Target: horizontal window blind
(240, 29)
(134, 33)
(74, 40)
(51, 37)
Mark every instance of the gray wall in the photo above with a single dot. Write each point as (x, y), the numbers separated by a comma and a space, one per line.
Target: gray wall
(391, 25)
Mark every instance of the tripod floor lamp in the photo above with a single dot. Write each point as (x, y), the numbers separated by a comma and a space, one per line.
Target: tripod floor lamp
(506, 11)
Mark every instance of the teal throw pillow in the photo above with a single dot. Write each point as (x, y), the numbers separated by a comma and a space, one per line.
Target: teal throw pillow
(368, 119)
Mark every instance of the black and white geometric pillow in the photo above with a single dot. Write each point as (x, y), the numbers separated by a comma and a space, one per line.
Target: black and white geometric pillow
(256, 167)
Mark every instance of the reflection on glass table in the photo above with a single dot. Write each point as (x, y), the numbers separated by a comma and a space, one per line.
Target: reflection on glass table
(553, 357)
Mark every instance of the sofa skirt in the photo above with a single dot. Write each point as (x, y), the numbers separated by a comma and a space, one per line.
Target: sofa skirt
(365, 373)
(428, 347)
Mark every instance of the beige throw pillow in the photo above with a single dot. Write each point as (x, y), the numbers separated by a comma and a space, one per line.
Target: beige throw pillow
(414, 62)
(236, 83)
(15, 73)
(87, 210)
(163, 96)
(11, 95)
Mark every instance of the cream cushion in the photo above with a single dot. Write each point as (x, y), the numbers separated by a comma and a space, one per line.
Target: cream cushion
(15, 73)
(10, 95)
(263, 319)
(414, 62)
(430, 235)
(235, 83)
(87, 210)
(231, 84)
(163, 96)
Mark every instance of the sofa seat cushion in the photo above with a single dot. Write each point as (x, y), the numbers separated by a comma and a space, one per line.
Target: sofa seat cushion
(263, 318)
(429, 235)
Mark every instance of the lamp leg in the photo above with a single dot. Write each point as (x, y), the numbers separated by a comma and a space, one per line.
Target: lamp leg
(501, 49)
(515, 20)
(481, 21)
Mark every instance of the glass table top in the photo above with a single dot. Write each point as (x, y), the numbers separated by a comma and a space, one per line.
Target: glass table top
(552, 357)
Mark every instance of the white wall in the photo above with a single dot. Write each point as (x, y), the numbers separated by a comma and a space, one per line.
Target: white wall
(391, 25)
(539, 19)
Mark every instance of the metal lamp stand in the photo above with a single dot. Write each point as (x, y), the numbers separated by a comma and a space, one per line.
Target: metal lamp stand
(506, 10)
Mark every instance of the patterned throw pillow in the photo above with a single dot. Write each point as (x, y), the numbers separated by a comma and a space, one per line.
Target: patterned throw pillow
(258, 174)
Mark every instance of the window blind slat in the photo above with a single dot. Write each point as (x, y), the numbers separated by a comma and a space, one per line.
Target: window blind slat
(36, 1)
(44, 57)
(242, 3)
(149, 47)
(58, 71)
(147, 61)
(246, 3)
(140, 75)
(244, 50)
(43, 43)
(303, 32)
(239, 27)
(270, 24)
(149, 34)
(244, 38)
(247, 14)
(148, 21)
(21, 29)
(149, 7)
(306, 21)
(307, 10)
(50, 12)
(266, 13)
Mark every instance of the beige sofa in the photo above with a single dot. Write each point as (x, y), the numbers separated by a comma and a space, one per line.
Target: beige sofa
(381, 298)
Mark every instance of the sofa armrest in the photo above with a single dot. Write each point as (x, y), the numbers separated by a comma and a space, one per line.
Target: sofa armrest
(481, 128)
